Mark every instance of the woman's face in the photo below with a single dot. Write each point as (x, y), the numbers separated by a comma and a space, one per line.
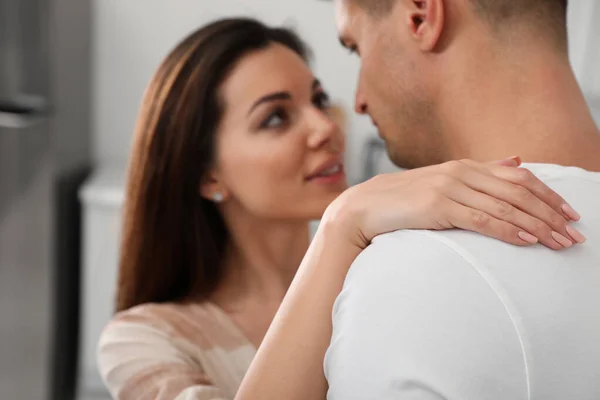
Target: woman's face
(279, 152)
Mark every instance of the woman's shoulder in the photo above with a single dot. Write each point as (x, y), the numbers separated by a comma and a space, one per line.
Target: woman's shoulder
(202, 324)
(167, 348)
(166, 317)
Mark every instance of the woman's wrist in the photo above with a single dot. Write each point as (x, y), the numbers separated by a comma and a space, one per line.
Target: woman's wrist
(342, 220)
(330, 254)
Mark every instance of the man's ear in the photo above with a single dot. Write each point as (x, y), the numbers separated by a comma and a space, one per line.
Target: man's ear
(211, 188)
(427, 22)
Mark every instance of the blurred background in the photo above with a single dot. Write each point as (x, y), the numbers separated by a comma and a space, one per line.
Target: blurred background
(72, 73)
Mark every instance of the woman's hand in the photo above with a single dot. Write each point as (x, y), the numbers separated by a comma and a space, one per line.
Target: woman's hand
(495, 199)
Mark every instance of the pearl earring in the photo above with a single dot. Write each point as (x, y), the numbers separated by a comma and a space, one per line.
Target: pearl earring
(217, 197)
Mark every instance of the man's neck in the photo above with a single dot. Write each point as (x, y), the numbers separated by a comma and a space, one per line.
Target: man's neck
(534, 109)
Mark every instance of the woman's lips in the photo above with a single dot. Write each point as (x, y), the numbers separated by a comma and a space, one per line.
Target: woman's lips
(330, 175)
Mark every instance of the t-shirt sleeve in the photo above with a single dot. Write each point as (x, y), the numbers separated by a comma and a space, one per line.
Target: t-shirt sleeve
(139, 361)
(417, 321)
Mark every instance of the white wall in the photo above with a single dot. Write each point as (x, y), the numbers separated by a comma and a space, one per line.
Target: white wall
(132, 36)
(584, 43)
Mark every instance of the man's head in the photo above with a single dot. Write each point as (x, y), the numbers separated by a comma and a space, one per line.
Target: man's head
(417, 54)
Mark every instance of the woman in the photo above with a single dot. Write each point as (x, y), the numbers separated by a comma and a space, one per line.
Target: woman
(235, 152)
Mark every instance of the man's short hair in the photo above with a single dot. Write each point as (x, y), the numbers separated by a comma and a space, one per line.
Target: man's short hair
(376, 7)
(501, 10)
(550, 15)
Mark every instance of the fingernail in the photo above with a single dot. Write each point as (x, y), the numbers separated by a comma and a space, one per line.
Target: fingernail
(570, 212)
(516, 159)
(575, 234)
(528, 237)
(563, 241)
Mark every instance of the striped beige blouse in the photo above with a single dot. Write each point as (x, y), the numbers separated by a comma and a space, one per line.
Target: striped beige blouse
(174, 352)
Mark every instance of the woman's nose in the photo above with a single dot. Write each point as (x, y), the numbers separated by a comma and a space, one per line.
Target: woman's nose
(326, 130)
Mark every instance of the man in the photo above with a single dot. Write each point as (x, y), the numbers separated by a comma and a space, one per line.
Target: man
(455, 315)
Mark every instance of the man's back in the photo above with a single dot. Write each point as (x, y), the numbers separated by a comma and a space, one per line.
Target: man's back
(454, 315)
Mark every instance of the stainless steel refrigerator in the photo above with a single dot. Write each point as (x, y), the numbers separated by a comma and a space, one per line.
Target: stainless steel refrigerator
(44, 154)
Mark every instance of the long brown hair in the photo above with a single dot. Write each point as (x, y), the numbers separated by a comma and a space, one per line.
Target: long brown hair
(174, 240)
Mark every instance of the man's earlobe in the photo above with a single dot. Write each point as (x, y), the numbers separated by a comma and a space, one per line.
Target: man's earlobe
(427, 22)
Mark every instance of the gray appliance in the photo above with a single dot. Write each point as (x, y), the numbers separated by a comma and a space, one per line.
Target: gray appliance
(44, 143)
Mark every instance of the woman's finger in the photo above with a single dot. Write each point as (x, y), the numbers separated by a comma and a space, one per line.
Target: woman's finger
(552, 202)
(475, 220)
(504, 211)
(514, 161)
(524, 177)
(521, 197)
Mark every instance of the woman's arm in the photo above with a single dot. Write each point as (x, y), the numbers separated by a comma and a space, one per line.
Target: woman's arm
(289, 363)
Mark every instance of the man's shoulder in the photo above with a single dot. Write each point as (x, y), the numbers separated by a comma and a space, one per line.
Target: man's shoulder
(428, 316)
(407, 250)
(409, 243)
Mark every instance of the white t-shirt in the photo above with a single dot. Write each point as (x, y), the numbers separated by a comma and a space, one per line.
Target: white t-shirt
(455, 315)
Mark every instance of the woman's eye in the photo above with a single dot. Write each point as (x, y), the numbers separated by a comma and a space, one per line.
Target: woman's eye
(275, 120)
(321, 101)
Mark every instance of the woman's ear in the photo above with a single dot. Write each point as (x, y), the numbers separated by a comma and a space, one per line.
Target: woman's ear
(212, 189)
(427, 22)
